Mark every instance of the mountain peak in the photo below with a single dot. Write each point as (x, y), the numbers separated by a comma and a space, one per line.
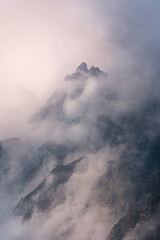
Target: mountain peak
(82, 67)
(82, 72)
(94, 71)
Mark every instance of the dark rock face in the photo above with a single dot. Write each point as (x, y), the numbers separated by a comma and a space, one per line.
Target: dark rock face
(135, 178)
(82, 68)
(131, 184)
(136, 217)
(94, 71)
(45, 194)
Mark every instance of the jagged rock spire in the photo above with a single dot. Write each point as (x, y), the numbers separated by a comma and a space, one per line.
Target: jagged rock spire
(83, 73)
(83, 67)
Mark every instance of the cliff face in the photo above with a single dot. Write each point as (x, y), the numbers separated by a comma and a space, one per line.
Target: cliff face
(134, 222)
(48, 193)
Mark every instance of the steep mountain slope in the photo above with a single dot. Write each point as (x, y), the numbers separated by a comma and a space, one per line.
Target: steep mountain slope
(45, 194)
(135, 178)
(136, 218)
(86, 118)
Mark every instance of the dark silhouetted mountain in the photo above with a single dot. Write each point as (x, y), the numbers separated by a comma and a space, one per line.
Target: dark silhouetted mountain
(83, 73)
(82, 68)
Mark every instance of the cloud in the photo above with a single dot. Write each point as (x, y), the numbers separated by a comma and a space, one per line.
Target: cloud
(78, 211)
(39, 47)
(41, 43)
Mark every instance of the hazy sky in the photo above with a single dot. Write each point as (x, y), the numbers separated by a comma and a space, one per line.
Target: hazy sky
(42, 41)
